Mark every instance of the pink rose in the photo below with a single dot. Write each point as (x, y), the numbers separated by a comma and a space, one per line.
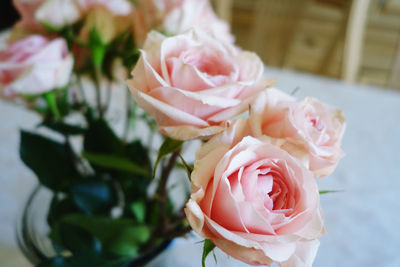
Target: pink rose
(35, 65)
(177, 16)
(254, 200)
(316, 127)
(192, 83)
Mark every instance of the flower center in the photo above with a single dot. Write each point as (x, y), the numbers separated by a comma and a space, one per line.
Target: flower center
(274, 191)
(208, 62)
(317, 123)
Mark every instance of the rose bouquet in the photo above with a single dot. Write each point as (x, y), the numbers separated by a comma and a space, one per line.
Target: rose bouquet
(253, 192)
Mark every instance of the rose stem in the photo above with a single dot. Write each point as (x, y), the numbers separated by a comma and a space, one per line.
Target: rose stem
(80, 86)
(128, 113)
(97, 75)
(162, 188)
(108, 96)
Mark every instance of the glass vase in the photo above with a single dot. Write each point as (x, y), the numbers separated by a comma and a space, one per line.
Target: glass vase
(32, 232)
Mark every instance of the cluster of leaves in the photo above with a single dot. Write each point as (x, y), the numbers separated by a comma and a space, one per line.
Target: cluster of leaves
(100, 211)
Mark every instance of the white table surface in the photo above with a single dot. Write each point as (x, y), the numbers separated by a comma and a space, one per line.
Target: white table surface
(362, 222)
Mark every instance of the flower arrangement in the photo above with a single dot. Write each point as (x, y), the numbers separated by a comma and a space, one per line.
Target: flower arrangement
(253, 192)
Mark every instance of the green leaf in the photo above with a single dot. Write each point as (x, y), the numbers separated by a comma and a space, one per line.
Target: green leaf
(51, 100)
(77, 240)
(48, 159)
(98, 53)
(187, 167)
(138, 209)
(115, 162)
(153, 212)
(207, 248)
(137, 153)
(128, 163)
(93, 197)
(118, 236)
(321, 192)
(168, 146)
(64, 103)
(130, 58)
(63, 128)
(126, 49)
(98, 48)
(59, 207)
(123, 245)
(101, 139)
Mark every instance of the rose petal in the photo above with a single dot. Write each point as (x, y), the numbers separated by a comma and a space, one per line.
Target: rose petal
(164, 113)
(304, 255)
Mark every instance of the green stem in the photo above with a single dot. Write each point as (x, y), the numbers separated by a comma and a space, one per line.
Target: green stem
(162, 191)
(81, 90)
(128, 113)
(97, 76)
(163, 228)
(108, 96)
(51, 100)
(150, 140)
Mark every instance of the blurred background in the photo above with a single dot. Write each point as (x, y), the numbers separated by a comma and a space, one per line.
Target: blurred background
(8, 15)
(353, 40)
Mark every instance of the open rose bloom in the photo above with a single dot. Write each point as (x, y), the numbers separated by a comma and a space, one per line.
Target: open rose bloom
(35, 65)
(255, 201)
(177, 16)
(316, 127)
(192, 83)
